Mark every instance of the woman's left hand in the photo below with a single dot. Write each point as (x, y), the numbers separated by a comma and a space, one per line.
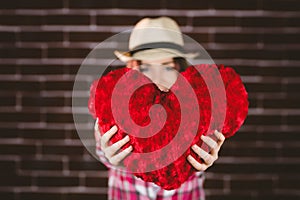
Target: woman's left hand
(208, 158)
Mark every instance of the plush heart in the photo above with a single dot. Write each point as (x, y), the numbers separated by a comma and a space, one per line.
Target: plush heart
(164, 124)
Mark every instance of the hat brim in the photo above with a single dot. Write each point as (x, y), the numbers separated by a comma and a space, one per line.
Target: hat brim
(153, 54)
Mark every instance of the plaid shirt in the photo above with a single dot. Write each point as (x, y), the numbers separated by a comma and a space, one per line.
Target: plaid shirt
(124, 185)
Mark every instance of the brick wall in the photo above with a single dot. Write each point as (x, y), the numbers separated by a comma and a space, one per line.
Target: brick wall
(44, 42)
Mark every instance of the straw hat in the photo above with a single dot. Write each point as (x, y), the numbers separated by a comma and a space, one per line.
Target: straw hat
(153, 39)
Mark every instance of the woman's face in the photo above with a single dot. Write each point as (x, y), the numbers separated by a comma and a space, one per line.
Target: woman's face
(162, 72)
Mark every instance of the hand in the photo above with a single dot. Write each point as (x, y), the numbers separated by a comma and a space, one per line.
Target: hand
(209, 158)
(110, 152)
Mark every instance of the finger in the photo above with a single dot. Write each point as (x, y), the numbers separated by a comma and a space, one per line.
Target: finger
(210, 142)
(220, 137)
(112, 149)
(97, 132)
(198, 166)
(96, 128)
(106, 137)
(208, 159)
(116, 159)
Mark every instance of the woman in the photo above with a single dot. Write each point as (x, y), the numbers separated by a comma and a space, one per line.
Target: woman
(156, 50)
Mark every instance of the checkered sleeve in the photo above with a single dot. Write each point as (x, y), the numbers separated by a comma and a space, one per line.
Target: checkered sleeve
(125, 186)
(102, 157)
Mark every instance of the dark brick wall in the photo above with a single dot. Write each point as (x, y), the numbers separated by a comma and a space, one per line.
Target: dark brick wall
(43, 43)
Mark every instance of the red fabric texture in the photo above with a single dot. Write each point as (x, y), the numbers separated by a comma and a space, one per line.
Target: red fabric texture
(142, 99)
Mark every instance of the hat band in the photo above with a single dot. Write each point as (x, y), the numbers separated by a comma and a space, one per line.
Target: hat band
(157, 45)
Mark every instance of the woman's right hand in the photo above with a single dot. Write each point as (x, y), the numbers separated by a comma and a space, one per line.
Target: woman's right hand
(112, 152)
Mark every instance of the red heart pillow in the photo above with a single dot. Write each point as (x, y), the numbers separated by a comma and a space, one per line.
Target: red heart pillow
(152, 128)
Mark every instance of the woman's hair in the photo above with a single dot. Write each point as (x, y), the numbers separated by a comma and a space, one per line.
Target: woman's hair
(180, 63)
